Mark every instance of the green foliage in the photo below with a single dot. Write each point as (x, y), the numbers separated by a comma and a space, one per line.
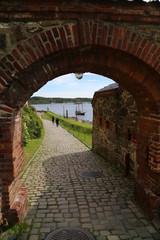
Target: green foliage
(26, 135)
(18, 229)
(43, 100)
(32, 124)
(10, 232)
(82, 131)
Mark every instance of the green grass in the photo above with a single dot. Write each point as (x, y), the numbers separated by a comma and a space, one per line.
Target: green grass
(16, 230)
(31, 148)
(81, 131)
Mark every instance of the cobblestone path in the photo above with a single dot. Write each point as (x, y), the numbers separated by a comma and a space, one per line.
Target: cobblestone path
(59, 196)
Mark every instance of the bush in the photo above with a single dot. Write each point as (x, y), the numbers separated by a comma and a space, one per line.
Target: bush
(26, 135)
(32, 124)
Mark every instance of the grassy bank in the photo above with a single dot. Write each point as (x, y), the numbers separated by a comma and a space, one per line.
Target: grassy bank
(31, 148)
(81, 131)
(33, 132)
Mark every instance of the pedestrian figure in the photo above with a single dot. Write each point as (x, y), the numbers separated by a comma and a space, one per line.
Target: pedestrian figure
(53, 119)
(57, 122)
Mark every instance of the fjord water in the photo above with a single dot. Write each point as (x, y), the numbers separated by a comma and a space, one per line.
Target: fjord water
(60, 109)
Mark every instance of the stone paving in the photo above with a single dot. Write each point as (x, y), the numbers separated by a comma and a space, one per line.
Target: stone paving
(59, 196)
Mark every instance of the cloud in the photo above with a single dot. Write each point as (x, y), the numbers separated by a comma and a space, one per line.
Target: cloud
(149, 1)
(69, 86)
(89, 73)
(67, 94)
(68, 79)
(92, 80)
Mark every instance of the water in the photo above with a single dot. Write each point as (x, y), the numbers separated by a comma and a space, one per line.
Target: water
(60, 109)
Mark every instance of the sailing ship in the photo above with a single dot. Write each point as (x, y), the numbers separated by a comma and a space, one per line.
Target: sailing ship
(79, 109)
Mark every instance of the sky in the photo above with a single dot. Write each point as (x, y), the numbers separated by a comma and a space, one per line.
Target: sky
(68, 86)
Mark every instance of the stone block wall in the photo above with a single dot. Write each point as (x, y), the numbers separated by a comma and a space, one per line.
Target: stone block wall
(114, 128)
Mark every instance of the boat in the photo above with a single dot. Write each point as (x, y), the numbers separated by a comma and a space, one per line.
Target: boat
(79, 113)
(79, 110)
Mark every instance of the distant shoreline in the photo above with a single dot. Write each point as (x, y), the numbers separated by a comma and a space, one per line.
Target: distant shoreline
(55, 103)
(43, 100)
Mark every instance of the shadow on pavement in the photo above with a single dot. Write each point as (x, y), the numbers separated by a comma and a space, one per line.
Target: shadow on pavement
(60, 197)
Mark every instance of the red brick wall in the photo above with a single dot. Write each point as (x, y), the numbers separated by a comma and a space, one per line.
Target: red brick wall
(108, 10)
(0, 200)
(147, 187)
(149, 137)
(11, 162)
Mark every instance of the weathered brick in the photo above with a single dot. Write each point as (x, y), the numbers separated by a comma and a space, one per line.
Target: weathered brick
(100, 38)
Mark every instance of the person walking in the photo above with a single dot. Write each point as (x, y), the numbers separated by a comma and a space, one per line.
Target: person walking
(57, 122)
(53, 119)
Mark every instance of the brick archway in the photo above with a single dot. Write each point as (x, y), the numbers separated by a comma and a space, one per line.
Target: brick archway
(60, 39)
(85, 44)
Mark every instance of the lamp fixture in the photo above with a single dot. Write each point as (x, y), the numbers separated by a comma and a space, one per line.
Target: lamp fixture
(79, 75)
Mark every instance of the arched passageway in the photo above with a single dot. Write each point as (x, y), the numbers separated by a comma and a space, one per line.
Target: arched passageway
(37, 47)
